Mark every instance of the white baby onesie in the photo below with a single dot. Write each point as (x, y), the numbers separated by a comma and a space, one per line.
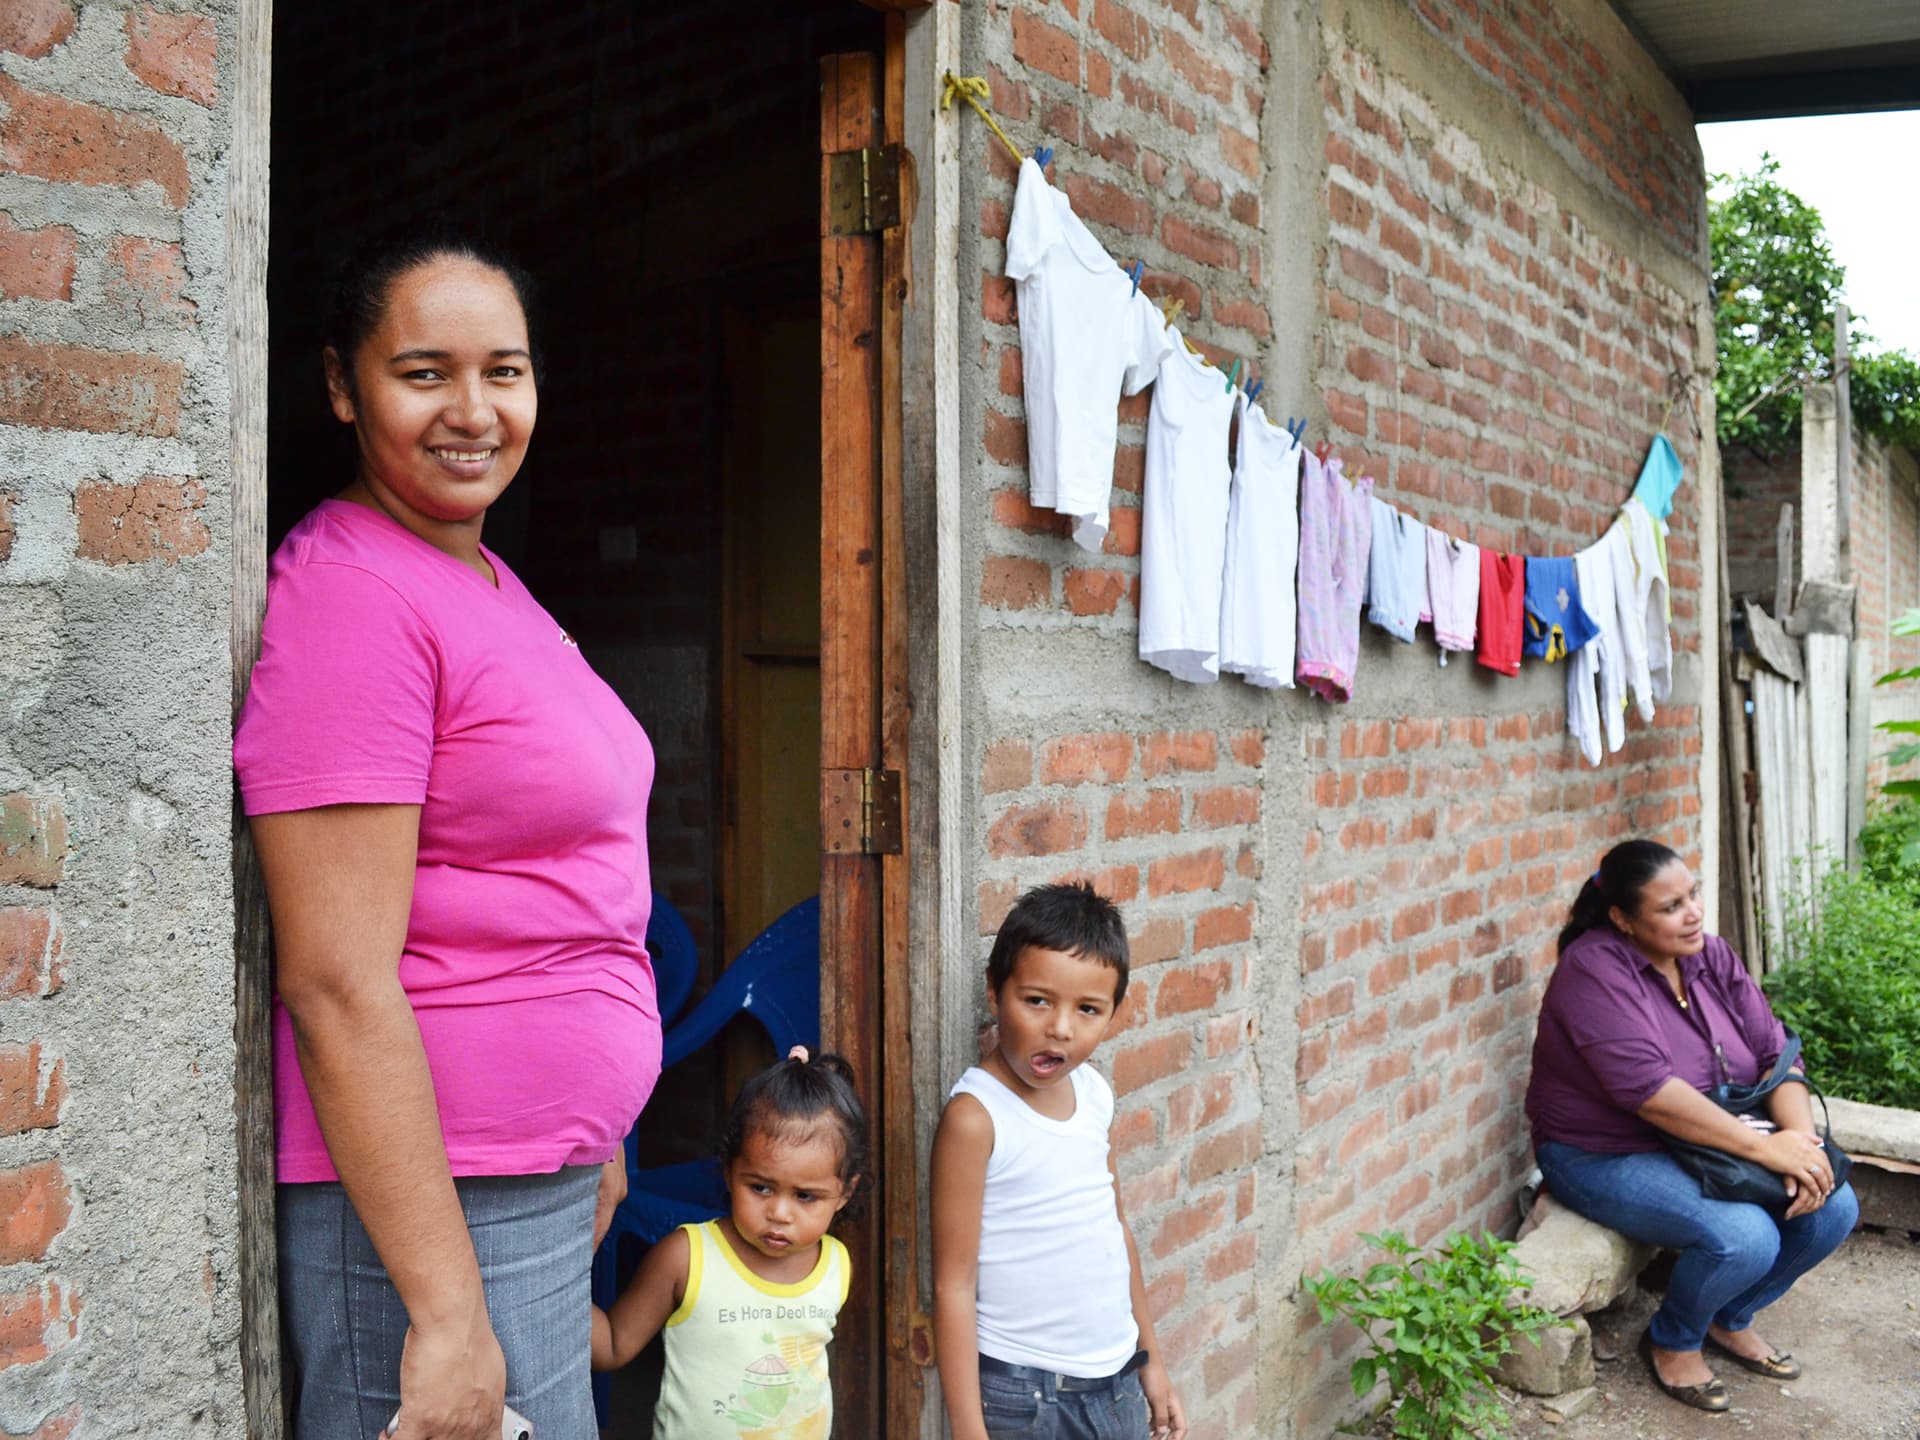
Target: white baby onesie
(1085, 338)
(1397, 597)
(1453, 591)
(1591, 720)
(1263, 547)
(1641, 592)
(1183, 518)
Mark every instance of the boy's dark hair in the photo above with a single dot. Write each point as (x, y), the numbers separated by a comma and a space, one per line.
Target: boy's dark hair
(788, 1100)
(1073, 919)
(357, 290)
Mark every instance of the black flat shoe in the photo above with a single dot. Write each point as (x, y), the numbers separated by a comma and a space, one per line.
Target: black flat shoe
(1777, 1366)
(1710, 1396)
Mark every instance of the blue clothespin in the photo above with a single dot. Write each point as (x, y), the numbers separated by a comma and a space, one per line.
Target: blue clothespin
(1043, 157)
(1139, 269)
(1253, 393)
(1233, 376)
(1298, 430)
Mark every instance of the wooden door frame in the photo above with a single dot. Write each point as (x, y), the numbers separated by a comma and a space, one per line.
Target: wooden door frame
(865, 1010)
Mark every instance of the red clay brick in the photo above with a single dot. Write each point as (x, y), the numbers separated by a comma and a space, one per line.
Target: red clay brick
(1198, 243)
(1007, 765)
(1226, 805)
(146, 279)
(174, 54)
(30, 1095)
(1223, 925)
(157, 518)
(68, 387)
(1144, 1061)
(1190, 751)
(1094, 592)
(1008, 582)
(1046, 828)
(1046, 48)
(1157, 812)
(36, 264)
(1189, 1223)
(34, 27)
(1183, 874)
(1192, 987)
(70, 142)
(38, 1322)
(33, 841)
(35, 1205)
(30, 946)
(1241, 151)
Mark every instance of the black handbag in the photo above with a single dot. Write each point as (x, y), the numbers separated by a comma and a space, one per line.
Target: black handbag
(1730, 1177)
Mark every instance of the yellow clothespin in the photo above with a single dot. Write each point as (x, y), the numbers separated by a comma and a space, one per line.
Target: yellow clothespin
(974, 89)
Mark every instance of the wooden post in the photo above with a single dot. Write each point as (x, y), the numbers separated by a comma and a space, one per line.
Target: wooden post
(1783, 566)
(246, 229)
(1843, 435)
(850, 650)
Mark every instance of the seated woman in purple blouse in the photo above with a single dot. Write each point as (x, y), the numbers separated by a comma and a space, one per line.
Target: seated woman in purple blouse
(1644, 1012)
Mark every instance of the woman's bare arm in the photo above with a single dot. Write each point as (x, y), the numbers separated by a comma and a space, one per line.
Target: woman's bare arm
(340, 886)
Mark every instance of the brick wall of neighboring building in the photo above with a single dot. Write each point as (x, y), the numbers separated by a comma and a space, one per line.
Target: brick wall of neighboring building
(1342, 921)
(1756, 486)
(118, 1306)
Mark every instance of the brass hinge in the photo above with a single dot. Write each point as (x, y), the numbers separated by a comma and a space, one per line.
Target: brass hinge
(863, 190)
(860, 812)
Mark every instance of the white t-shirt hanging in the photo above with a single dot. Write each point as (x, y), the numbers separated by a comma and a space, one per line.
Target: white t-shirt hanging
(1641, 592)
(1263, 547)
(1183, 518)
(1085, 339)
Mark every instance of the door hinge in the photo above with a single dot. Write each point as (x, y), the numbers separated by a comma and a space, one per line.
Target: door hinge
(863, 190)
(860, 812)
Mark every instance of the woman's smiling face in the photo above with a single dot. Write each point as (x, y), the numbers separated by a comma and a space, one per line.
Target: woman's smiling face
(441, 394)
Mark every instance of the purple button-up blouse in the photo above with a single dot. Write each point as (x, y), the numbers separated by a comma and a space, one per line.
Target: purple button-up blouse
(1612, 1033)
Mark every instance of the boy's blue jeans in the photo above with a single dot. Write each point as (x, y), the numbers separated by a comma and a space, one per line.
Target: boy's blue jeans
(1735, 1258)
(1021, 1403)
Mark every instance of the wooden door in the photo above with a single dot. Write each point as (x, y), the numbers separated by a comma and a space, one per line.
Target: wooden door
(864, 1001)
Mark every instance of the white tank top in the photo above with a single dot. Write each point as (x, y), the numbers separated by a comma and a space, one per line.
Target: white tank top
(1055, 1288)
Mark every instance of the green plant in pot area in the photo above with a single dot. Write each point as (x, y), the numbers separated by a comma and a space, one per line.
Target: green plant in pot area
(1436, 1323)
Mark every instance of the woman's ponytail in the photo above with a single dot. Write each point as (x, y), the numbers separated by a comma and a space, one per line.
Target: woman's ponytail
(1624, 873)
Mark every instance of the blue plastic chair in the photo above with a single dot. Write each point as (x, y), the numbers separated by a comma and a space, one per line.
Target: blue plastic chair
(776, 981)
(675, 962)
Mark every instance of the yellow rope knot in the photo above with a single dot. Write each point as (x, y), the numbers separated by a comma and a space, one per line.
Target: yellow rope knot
(974, 89)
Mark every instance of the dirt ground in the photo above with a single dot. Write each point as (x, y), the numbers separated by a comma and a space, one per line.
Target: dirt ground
(1854, 1323)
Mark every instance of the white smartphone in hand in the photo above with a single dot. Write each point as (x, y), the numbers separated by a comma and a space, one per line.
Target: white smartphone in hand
(513, 1425)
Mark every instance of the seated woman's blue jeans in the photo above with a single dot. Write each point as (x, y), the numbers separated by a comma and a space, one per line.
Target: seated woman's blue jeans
(1735, 1258)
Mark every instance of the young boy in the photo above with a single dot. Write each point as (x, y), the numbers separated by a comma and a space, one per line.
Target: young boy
(1040, 1315)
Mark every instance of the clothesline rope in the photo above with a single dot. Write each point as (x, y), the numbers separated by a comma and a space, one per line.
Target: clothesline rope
(973, 89)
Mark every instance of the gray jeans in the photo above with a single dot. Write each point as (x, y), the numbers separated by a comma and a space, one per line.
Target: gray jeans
(344, 1321)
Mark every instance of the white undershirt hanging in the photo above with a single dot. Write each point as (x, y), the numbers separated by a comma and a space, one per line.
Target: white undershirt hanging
(1263, 547)
(1597, 720)
(1183, 520)
(1085, 339)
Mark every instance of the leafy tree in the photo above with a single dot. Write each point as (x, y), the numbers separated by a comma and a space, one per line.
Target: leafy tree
(1774, 285)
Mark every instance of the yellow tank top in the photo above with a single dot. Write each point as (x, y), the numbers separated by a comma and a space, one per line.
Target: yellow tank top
(746, 1358)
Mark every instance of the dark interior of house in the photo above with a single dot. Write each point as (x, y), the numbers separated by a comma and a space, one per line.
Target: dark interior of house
(656, 167)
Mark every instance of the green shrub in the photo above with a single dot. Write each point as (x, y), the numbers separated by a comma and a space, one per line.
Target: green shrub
(1437, 1323)
(1852, 990)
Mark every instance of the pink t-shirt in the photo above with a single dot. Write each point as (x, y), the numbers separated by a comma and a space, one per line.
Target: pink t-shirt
(390, 673)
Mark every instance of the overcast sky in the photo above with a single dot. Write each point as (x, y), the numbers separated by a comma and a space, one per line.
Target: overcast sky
(1856, 170)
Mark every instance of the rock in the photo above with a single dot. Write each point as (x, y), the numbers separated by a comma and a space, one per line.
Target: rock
(1569, 1407)
(1575, 1265)
(1562, 1361)
(1874, 1130)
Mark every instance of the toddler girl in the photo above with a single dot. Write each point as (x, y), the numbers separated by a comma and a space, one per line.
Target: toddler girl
(748, 1301)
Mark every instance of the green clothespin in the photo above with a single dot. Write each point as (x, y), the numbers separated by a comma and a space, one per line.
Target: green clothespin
(1233, 377)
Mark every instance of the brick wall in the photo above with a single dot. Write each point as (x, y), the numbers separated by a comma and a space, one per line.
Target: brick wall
(117, 1269)
(1756, 486)
(1343, 921)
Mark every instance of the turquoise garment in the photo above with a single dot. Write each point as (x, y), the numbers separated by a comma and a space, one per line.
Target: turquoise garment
(1659, 478)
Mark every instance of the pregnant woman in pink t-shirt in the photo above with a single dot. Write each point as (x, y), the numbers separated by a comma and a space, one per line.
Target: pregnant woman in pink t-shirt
(450, 811)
